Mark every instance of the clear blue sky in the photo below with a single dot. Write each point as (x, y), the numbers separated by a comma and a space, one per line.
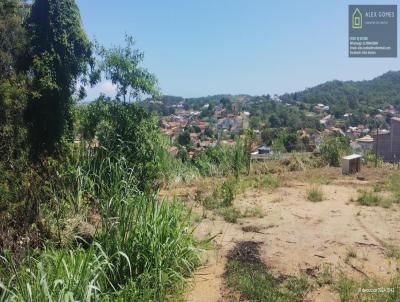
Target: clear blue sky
(204, 47)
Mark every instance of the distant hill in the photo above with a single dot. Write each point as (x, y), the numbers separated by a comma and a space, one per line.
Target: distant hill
(344, 96)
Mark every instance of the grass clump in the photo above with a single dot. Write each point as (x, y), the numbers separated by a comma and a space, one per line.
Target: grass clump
(247, 274)
(315, 194)
(59, 275)
(394, 187)
(351, 253)
(367, 290)
(253, 212)
(325, 275)
(369, 198)
(270, 181)
(230, 214)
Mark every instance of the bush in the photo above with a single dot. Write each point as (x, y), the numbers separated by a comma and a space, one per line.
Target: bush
(333, 148)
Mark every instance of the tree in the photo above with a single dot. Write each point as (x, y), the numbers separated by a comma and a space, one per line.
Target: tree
(226, 103)
(184, 138)
(208, 131)
(268, 135)
(58, 55)
(121, 66)
(274, 121)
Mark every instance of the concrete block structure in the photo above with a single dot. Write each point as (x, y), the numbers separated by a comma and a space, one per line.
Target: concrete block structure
(387, 143)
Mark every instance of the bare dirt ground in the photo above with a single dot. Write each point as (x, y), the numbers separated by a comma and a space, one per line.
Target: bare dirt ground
(299, 236)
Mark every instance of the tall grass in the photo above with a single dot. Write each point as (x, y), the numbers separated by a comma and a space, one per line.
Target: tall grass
(151, 242)
(59, 275)
(142, 251)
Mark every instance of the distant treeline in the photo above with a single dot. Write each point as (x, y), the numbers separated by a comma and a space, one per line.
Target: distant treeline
(353, 96)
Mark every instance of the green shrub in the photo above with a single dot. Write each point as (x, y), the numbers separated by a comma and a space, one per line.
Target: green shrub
(333, 148)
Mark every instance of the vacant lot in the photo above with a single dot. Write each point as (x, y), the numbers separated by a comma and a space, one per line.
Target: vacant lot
(323, 240)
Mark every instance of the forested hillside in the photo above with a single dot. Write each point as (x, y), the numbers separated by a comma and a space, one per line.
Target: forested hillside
(353, 95)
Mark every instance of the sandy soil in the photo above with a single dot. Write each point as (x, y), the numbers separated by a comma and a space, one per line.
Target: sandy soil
(299, 236)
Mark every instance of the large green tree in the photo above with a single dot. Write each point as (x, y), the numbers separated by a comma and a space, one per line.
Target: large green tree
(121, 65)
(58, 55)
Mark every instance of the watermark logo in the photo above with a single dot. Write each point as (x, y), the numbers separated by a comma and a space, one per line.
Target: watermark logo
(372, 31)
(357, 19)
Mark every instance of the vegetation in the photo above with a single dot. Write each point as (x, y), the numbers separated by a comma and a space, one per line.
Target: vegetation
(79, 219)
(371, 290)
(357, 97)
(369, 198)
(230, 214)
(79, 216)
(333, 148)
(246, 274)
(58, 53)
(315, 194)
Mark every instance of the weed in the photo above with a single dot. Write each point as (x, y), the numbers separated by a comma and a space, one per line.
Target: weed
(368, 198)
(351, 253)
(230, 214)
(346, 288)
(325, 275)
(210, 202)
(228, 191)
(394, 186)
(270, 181)
(315, 194)
(368, 290)
(253, 212)
(246, 273)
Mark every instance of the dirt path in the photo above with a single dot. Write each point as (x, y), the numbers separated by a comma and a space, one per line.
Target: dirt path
(299, 236)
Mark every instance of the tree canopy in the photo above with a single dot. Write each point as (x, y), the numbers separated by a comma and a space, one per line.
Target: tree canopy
(58, 55)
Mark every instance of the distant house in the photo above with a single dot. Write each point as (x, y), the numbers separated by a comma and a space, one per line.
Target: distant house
(321, 108)
(366, 143)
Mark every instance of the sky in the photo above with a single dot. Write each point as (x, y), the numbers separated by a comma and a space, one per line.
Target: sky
(205, 47)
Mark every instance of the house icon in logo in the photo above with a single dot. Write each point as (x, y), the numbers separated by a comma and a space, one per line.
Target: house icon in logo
(357, 19)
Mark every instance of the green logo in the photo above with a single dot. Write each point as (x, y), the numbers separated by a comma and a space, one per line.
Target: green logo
(357, 19)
